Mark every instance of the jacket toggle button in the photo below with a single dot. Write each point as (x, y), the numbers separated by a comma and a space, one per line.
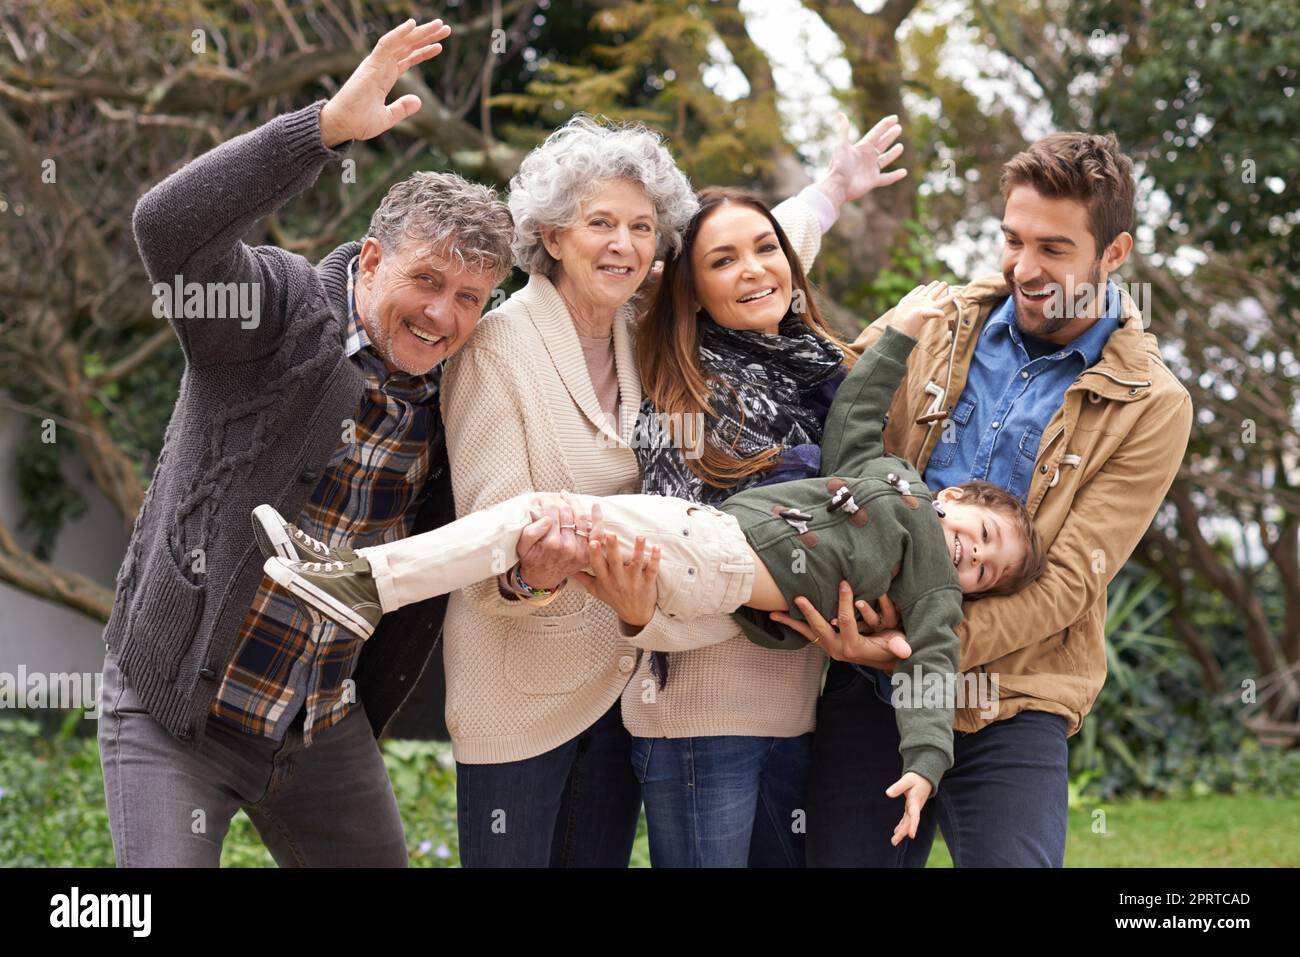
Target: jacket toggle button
(843, 499)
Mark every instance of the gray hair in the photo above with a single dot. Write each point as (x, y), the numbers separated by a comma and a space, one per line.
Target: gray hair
(556, 178)
(446, 210)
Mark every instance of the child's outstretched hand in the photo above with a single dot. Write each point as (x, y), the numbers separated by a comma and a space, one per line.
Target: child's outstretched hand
(916, 791)
(921, 305)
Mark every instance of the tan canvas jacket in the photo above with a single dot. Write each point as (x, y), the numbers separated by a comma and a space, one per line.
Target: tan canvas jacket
(1107, 457)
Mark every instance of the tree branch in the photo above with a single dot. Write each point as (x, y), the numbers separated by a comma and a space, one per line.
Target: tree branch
(25, 571)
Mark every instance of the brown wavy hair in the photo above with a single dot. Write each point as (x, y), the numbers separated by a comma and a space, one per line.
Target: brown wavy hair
(668, 346)
(1086, 167)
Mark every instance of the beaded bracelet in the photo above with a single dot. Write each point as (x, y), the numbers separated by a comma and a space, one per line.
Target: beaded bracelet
(530, 594)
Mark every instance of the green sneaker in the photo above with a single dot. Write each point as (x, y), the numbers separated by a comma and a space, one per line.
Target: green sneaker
(275, 536)
(342, 592)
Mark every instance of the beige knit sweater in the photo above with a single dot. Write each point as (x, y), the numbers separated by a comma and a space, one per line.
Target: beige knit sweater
(521, 414)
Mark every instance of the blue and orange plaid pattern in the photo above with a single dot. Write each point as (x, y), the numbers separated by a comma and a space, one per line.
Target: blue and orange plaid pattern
(367, 495)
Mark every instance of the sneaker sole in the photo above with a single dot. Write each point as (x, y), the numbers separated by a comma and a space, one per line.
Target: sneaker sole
(272, 539)
(305, 591)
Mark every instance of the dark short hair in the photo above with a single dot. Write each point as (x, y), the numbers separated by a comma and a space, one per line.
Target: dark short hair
(997, 499)
(1082, 166)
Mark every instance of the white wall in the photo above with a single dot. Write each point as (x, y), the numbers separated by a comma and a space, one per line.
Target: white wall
(40, 634)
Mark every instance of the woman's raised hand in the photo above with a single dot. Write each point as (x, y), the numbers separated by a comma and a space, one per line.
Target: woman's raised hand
(858, 168)
(358, 111)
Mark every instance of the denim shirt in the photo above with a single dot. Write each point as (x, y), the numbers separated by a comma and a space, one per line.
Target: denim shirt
(1009, 398)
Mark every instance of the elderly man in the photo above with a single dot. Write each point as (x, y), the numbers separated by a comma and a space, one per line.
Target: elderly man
(218, 693)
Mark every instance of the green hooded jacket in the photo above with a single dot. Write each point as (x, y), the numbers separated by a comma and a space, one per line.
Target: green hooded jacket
(870, 520)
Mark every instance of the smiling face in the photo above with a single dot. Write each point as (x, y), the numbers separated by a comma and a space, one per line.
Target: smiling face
(1049, 251)
(418, 305)
(984, 544)
(742, 275)
(606, 253)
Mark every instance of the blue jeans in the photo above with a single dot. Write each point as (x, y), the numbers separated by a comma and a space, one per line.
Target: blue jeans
(573, 806)
(724, 801)
(1002, 804)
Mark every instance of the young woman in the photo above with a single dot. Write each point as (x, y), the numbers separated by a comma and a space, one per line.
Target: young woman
(722, 728)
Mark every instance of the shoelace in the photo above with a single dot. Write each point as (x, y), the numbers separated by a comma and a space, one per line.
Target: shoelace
(325, 566)
(315, 545)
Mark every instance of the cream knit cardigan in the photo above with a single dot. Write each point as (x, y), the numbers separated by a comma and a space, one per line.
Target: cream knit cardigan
(521, 415)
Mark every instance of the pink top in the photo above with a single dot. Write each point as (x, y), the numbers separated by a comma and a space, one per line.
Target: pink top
(599, 352)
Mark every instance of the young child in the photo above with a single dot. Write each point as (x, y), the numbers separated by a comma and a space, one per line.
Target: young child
(869, 519)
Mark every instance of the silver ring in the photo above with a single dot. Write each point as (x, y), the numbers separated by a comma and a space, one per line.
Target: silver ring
(562, 527)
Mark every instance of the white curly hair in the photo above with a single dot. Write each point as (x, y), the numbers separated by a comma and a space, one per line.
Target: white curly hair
(557, 177)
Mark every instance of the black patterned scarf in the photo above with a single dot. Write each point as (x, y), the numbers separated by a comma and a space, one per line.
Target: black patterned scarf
(759, 387)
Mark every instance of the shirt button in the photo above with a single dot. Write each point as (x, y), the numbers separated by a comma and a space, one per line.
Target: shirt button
(996, 424)
(625, 663)
(1024, 375)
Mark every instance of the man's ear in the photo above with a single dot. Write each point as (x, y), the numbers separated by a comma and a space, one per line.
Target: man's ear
(1117, 252)
(372, 255)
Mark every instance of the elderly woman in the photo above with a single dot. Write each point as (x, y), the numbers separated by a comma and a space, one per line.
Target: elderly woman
(543, 398)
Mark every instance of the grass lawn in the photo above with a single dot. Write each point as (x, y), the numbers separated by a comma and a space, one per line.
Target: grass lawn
(1217, 830)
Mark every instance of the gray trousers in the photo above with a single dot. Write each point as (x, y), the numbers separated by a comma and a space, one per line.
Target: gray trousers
(328, 805)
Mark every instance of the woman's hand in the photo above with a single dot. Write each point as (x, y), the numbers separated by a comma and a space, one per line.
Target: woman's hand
(858, 168)
(628, 587)
(357, 111)
(883, 647)
(923, 304)
(916, 791)
(549, 549)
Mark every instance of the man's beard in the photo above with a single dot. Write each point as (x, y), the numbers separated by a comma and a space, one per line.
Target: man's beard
(1056, 320)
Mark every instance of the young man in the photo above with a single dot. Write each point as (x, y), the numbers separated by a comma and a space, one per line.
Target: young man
(218, 694)
(1042, 381)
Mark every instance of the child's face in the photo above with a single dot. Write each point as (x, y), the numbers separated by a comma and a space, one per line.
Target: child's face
(985, 545)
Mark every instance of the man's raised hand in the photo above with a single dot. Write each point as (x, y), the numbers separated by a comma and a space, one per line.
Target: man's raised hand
(358, 110)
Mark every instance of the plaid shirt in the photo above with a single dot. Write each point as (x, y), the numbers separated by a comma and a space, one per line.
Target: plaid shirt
(369, 494)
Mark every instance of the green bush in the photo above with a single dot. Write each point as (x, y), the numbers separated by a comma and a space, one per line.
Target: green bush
(1154, 729)
(51, 797)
